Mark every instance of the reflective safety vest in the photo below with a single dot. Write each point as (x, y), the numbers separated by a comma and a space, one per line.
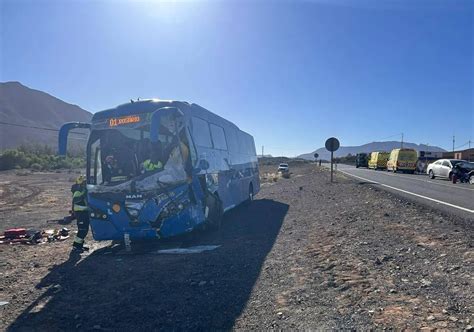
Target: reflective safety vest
(118, 178)
(79, 200)
(149, 166)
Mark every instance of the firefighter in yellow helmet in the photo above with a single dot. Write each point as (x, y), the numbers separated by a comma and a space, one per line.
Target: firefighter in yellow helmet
(81, 212)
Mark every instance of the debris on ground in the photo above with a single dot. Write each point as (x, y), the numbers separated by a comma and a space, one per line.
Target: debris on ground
(33, 236)
(189, 250)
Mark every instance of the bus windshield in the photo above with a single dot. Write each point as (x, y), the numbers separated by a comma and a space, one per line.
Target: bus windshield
(117, 156)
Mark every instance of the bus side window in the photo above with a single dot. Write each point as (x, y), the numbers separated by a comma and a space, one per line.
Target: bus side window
(232, 140)
(201, 134)
(242, 143)
(218, 137)
(246, 143)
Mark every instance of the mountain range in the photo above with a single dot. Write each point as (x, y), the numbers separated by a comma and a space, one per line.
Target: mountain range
(23, 111)
(369, 147)
(28, 115)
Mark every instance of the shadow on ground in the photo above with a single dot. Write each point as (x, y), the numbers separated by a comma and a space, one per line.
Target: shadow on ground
(150, 291)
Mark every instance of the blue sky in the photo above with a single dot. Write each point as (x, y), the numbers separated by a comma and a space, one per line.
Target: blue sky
(291, 73)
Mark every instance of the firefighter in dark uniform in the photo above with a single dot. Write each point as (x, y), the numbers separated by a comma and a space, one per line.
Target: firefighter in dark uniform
(81, 211)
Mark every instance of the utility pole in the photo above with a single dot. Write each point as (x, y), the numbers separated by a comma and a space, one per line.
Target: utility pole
(262, 151)
(469, 148)
(401, 146)
(454, 140)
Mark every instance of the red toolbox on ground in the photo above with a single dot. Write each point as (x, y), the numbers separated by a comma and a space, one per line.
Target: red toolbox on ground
(15, 233)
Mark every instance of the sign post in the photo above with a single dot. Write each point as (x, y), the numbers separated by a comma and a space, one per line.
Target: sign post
(332, 144)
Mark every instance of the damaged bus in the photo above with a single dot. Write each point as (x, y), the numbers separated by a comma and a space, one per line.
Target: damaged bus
(158, 169)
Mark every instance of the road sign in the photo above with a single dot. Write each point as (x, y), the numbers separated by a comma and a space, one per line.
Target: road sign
(332, 144)
(316, 156)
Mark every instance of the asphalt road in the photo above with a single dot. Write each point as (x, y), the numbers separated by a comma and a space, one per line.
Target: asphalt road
(437, 193)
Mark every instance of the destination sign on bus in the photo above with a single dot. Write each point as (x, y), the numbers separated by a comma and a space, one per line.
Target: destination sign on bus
(114, 122)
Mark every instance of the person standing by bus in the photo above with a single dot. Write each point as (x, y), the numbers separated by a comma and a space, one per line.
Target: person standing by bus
(81, 212)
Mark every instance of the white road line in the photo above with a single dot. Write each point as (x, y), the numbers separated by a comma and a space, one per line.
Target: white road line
(410, 193)
(414, 178)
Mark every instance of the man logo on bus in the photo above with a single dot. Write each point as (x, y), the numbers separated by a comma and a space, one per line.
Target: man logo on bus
(114, 122)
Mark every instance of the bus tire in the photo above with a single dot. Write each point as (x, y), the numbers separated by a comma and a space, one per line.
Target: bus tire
(215, 212)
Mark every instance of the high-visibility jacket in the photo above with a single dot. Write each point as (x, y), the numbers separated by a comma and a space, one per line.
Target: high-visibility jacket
(149, 166)
(79, 198)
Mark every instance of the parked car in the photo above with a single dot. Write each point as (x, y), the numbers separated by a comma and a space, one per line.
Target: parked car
(283, 168)
(378, 160)
(362, 160)
(442, 168)
(403, 160)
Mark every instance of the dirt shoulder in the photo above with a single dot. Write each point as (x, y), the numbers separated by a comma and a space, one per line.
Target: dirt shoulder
(305, 254)
(29, 199)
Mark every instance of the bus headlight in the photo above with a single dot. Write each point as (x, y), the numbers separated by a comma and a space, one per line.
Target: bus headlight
(133, 212)
(133, 208)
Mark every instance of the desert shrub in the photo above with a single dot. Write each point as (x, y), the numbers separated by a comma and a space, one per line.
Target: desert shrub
(349, 159)
(10, 159)
(36, 167)
(37, 157)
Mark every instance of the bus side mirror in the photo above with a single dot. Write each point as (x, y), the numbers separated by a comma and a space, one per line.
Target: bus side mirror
(63, 134)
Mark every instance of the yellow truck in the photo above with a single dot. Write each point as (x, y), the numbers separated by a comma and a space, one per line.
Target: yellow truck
(378, 160)
(403, 160)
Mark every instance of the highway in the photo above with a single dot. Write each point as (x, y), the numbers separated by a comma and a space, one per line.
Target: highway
(437, 193)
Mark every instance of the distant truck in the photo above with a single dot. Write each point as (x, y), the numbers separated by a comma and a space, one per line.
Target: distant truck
(283, 168)
(403, 160)
(362, 160)
(378, 160)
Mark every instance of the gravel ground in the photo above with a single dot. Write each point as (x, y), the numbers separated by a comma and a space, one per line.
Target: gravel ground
(30, 199)
(306, 254)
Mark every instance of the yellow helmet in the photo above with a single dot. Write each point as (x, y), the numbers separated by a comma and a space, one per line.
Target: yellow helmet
(81, 179)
